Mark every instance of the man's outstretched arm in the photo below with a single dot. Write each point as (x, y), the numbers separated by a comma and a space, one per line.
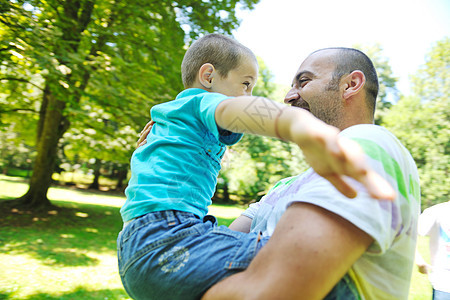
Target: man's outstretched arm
(309, 252)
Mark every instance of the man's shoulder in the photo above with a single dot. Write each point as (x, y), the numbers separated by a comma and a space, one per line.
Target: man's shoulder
(378, 141)
(368, 131)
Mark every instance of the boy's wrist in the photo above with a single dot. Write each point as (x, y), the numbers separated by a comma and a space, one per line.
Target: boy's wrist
(279, 132)
(299, 126)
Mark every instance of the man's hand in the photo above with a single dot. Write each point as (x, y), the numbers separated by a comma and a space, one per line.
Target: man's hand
(143, 135)
(422, 265)
(424, 269)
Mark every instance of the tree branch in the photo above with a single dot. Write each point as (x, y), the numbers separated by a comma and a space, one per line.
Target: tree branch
(85, 17)
(21, 80)
(18, 110)
(104, 131)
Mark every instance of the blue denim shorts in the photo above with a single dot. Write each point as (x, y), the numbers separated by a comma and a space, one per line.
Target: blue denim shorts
(175, 255)
(345, 289)
(440, 295)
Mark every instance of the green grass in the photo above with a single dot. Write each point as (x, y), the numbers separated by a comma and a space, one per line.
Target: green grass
(420, 286)
(70, 253)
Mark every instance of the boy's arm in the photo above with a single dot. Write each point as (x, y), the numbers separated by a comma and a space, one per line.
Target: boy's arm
(331, 156)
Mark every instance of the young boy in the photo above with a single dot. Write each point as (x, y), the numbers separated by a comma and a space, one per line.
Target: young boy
(169, 248)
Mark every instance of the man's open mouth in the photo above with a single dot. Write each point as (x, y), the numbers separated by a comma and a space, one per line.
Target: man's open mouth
(301, 104)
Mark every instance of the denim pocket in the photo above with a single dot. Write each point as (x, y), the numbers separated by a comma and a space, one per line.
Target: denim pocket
(242, 249)
(140, 243)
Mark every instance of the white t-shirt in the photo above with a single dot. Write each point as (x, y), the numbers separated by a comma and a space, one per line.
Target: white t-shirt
(435, 222)
(384, 271)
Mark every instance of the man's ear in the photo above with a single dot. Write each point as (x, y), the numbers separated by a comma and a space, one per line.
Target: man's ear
(353, 84)
(206, 75)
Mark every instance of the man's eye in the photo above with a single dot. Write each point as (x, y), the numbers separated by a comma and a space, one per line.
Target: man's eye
(247, 84)
(302, 82)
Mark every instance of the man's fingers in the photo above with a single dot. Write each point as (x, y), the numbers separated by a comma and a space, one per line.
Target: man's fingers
(341, 185)
(144, 133)
(141, 143)
(147, 126)
(143, 138)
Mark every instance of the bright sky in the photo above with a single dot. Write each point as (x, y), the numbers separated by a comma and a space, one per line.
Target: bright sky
(284, 32)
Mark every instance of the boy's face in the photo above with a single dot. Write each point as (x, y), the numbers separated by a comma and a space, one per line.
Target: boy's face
(240, 81)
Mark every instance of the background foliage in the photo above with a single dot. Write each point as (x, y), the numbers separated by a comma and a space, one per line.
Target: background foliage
(97, 67)
(88, 71)
(422, 122)
(108, 62)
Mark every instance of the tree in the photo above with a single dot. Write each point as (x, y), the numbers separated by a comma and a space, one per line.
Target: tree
(422, 123)
(386, 79)
(96, 145)
(120, 55)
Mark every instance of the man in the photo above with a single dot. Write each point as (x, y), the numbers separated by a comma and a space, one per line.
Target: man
(435, 223)
(320, 240)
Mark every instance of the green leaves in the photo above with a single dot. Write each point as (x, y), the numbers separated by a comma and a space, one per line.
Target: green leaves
(72, 59)
(433, 79)
(422, 123)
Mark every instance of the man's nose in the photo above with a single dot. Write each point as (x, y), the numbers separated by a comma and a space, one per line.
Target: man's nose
(293, 94)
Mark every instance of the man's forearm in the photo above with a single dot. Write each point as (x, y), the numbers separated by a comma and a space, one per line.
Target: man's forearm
(300, 261)
(242, 224)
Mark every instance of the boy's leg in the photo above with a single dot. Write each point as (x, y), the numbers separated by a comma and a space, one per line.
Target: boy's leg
(174, 255)
(345, 289)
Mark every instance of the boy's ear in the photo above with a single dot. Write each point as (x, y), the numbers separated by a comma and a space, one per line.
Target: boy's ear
(353, 84)
(206, 75)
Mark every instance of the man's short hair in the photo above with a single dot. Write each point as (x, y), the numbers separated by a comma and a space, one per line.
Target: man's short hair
(348, 60)
(223, 52)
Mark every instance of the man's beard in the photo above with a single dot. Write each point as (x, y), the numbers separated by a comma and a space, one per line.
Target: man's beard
(328, 108)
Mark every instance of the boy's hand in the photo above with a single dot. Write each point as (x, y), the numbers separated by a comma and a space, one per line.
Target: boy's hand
(144, 133)
(334, 157)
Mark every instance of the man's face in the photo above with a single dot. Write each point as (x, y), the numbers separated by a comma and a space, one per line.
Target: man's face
(239, 81)
(313, 89)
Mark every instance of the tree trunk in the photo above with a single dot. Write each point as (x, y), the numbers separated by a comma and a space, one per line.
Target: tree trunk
(97, 166)
(52, 122)
(121, 176)
(53, 126)
(226, 194)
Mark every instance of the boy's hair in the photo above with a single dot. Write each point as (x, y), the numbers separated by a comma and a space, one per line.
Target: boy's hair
(223, 52)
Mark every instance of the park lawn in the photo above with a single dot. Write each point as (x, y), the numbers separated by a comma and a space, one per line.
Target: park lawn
(71, 253)
(68, 253)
